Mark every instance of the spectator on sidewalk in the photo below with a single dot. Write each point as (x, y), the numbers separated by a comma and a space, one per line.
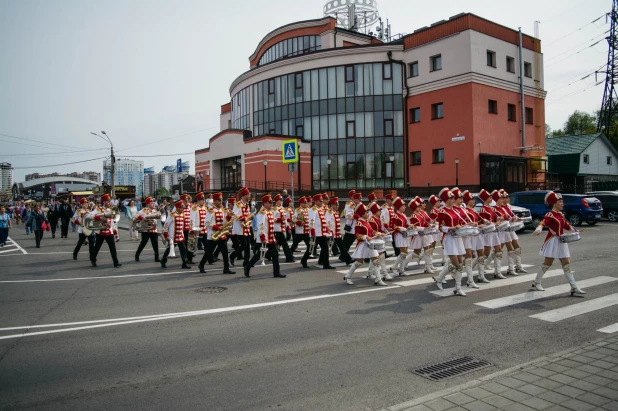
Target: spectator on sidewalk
(131, 215)
(52, 217)
(65, 213)
(200, 182)
(25, 215)
(5, 224)
(35, 222)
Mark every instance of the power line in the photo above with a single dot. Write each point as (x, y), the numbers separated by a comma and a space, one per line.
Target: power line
(575, 31)
(58, 165)
(163, 155)
(576, 77)
(165, 139)
(36, 141)
(595, 38)
(573, 93)
(574, 54)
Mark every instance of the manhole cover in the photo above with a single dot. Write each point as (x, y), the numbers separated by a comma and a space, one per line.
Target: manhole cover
(210, 290)
(451, 368)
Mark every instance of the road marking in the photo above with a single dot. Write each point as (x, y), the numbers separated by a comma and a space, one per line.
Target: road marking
(18, 246)
(537, 295)
(610, 329)
(447, 292)
(411, 267)
(159, 317)
(563, 313)
(107, 277)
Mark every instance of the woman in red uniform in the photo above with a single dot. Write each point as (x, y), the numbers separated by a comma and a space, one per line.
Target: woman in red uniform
(491, 239)
(364, 234)
(476, 242)
(399, 225)
(552, 247)
(420, 242)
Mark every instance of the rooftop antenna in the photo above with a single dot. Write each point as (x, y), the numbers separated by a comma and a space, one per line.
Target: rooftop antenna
(352, 14)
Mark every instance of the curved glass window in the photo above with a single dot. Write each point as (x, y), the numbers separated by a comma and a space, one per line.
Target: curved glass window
(240, 110)
(291, 47)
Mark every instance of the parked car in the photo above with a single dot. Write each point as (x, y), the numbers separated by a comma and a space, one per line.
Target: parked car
(609, 199)
(577, 207)
(521, 212)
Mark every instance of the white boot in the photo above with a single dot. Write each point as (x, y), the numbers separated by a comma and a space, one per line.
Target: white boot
(420, 257)
(395, 267)
(468, 266)
(569, 275)
(353, 267)
(404, 257)
(458, 274)
(481, 268)
(518, 267)
(539, 276)
(428, 264)
(497, 265)
(442, 275)
(411, 256)
(488, 260)
(511, 262)
(382, 262)
(371, 270)
(377, 274)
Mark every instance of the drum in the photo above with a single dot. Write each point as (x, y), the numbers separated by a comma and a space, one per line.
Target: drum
(410, 232)
(428, 231)
(488, 229)
(377, 245)
(466, 232)
(504, 226)
(519, 225)
(570, 237)
(388, 238)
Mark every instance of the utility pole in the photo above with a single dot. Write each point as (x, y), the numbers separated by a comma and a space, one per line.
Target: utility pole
(112, 159)
(609, 107)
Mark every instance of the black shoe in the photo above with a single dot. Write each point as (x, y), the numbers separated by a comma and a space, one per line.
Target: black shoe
(336, 254)
(163, 265)
(75, 256)
(279, 275)
(290, 260)
(94, 263)
(117, 265)
(304, 264)
(201, 267)
(228, 272)
(137, 259)
(157, 260)
(247, 272)
(215, 260)
(211, 262)
(186, 267)
(328, 267)
(232, 264)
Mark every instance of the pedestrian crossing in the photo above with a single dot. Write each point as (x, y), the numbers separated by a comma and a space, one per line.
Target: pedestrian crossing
(11, 248)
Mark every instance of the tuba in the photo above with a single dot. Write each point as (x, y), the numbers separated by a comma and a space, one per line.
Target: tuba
(148, 223)
(90, 224)
(192, 240)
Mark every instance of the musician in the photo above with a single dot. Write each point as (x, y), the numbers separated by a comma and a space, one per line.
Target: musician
(106, 234)
(516, 255)
(553, 248)
(151, 235)
(477, 242)
(505, 236)
(198, 214)
(436, 206)
(187, 226)
(432, 237)
(320, 234)
(214, 222)
(350, 223)
(364, 234)
(378, 228)
(301, 219)
(78, 220)
(281, 221)
(492, 239)
(173, 232)
(242, 224)
(385, 215)
(399, 226)
(265, 235)
(469, 241)
(231, 202)
(420, 242)
(289, 215)
(450, 221)
(333, 220)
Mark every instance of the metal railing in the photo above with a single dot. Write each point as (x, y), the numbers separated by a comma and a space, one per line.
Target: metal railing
(254, 186)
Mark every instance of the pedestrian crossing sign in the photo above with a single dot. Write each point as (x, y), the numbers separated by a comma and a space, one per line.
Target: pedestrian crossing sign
(290, 151)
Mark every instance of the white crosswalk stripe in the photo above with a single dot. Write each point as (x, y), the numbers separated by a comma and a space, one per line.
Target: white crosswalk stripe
(11, 248)
(537, 295)
(610, 329)
(574, 310)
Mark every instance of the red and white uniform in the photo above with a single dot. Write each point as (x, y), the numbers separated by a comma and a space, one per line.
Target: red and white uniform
(174, 226)
(476, 242)
(446, 219)
(421, 223)
(302, 221)
(334, 223)
(265, 233)
(242, 212)
(433, 215)
(490, 239)
(198, 214)
(317, 222)
(399, 223)
(280, 219)
(97, 214)
(143, 213)
(78, 218)
(509, 212)
(214, 220)
(187, 215)
(557, 225)
(363, 231)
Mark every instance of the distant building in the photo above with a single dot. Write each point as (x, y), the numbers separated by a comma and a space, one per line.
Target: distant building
(167, 178)
(127, 172)
(55, 186)
(186, 168)
(87, 175)
(6, 176)
(147, 187)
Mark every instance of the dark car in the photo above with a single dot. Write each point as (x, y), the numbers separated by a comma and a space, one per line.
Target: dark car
(609, 199)
(521, 212)
(577, 207)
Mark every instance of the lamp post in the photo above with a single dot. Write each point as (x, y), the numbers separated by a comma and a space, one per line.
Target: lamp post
(328, 161)
(392, 158)
(428, 193)
(265, 162)
(456, 172)
(112, 158)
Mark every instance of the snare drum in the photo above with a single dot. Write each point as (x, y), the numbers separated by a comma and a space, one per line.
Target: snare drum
(377, 245)
(411, 232)
(504, 226)
(466, 232)
(388, 238)
(488, 229)
(570, 237)
(517, 226)
(428, 231)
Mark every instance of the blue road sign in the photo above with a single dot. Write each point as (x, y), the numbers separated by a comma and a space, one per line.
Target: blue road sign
(290, 151)
(179, 165)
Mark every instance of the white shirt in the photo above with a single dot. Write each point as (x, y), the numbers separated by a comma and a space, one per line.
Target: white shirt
(349, 216)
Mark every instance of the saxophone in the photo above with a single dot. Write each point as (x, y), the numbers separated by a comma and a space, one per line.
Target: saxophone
(225, 230)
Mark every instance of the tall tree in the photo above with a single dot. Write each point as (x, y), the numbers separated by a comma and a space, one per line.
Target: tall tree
(580, 123)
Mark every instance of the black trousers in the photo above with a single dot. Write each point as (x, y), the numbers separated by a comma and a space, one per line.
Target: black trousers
(298, 238)
(183, 253)
(348, 240)
(80, 241)
(188, 254)
(209, 249)
(38, 236)
(280, 237)
(397, 250)
(336, 247)
(154, 240)
(323, 259)
(111, 243)
(344, 255)
(66, 222)
(54, 224)
(273, 252)
(244, 248)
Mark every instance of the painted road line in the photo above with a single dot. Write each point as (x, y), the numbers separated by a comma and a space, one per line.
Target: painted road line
(108, 277)
(17, 245)
(410, 268)
(610, 329)
(195, 313)
(574, 310)
(447, 292)
(537, 295)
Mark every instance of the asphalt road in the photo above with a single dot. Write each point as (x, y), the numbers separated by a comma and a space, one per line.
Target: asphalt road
(138, 337)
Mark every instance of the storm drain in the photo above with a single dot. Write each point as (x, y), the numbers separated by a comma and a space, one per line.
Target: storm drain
(451, 368)
(210, 290)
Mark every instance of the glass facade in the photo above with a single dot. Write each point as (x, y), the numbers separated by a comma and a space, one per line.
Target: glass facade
(291, 47)
(240, 110)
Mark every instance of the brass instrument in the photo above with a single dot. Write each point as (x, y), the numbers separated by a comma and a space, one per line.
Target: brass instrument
(115, 214)
(147, 223)
(165, 241)
(225, 230)
(263, 251)
(249, 220)
(192, 240)
(90, 224)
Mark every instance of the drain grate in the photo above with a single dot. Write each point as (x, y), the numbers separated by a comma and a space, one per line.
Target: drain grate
(210, 290)
(451, 368)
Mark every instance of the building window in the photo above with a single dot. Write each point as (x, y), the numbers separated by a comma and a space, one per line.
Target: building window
(528, 70)
(609, 160)
(512, 112)
(529, 116)
(299, 131)
(299, 80)
(438, 155)
(388, 127)
(413, 67)
(437, 111)
(271, 87)
(510, 64)
(436, 62)
(350, 129)
(415, 158)
(415, 115)
(349, 74)
(586, 159)
(387, 73)
(493, 106)
(491, 58)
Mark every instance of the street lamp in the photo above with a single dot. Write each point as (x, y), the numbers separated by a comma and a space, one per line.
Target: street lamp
(428, 193)
(456, 172)
(328, 161)
(112, 158)
(392, 168)
(265, 162)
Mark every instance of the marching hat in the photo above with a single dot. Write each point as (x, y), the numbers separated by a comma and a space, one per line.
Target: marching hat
(398, 203)
(375, 208)
(467, 196)
(85, 200)
(503, 193)
(244, 191)
(266, 198)
(317, 197)
(433, 200)
(333, 200)
(148, 200)
(179, 204)
(351, 193)
(302, 200)
(324, 195)
(186, 196)
(552, 198)
(371, 196)
(277, 197)
(105, 197)
(358, 196)
(199, 196)
(484, 195)
(495, 195)
(217, 196)
(456, 192)
(388, 197)
(445, 194)
(360, 209)
(413, 204)
(231, 200)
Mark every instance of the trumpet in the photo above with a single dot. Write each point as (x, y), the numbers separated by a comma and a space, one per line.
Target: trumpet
(263, 251)
(312, 246)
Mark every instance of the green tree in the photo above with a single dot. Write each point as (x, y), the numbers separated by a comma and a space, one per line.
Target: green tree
(580, 123)
(163, 192)
(550, 133)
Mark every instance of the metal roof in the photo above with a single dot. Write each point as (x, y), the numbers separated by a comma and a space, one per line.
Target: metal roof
(56, 179)
(569, 144)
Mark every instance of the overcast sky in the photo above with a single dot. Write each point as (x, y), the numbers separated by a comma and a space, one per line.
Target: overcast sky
(154, 73)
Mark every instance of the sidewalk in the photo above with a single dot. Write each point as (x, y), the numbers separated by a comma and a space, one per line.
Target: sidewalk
(584, 378)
